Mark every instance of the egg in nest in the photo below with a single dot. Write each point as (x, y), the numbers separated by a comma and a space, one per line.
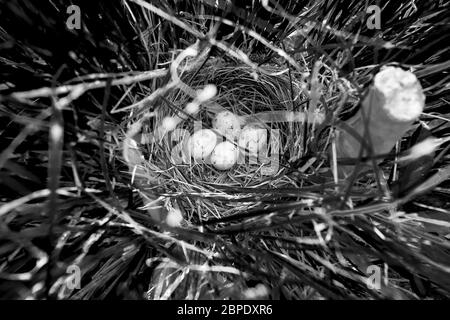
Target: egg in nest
(224, 155)
(252, 139)
(201, 144)
(228, 124)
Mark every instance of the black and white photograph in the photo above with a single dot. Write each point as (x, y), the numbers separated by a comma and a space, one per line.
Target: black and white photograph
(241, 152)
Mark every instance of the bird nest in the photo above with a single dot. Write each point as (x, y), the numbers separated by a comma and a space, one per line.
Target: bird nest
(273, 101)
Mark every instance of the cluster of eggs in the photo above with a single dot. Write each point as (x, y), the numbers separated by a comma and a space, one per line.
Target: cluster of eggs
(205, 143)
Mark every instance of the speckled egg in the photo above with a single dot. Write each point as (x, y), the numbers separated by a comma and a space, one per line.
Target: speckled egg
(252, 138)
(224, 155)
(228, 124)
(201, 144)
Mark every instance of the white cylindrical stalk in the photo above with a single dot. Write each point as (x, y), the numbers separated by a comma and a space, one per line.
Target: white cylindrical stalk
(394, 101)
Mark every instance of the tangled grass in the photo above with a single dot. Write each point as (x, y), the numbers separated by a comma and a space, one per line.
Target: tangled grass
(296, 234)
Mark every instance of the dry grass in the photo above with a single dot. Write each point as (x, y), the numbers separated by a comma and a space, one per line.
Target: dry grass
(295, 234)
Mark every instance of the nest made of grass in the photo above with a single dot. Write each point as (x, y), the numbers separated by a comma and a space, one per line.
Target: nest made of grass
(244, 93)
(235, 238)
(245, 214)
(207, 196)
